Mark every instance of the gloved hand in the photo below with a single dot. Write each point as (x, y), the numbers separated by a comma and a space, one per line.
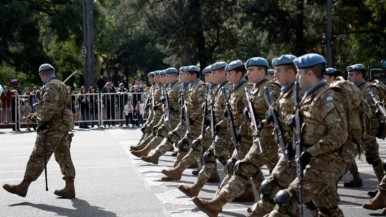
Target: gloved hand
(305, 159)
(155, 108)
(290, 120)
(247, 113)
(217, 129)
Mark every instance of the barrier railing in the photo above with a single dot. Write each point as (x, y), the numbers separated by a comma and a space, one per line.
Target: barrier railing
(89, 110)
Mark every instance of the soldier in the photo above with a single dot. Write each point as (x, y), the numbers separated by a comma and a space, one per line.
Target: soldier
(195, 96)
(195, 150)
(155, 111)
(249, 166)
(357, 74)
(354, 99)
(323, 134)
(171, 112)
(54, 117)
(379, 201)
(271, 74)
(220, 146)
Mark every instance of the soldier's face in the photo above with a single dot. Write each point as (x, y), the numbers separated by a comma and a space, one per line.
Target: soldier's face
(218, 76)
(150, 79)
(233, 76)
(303, 78)
(328, 79)
(182, 76)
(282, 75)
(156, 79)
(208, 78)
(354, 77)
(255, 74)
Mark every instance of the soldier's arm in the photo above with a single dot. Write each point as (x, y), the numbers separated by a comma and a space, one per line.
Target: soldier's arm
(196, 112)
(332, 112)
(50, 102)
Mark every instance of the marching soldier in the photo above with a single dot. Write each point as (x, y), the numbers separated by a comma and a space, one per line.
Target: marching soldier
(191, 119)
(155, 111)
(323, 132)
(357, 74)
(196, 147)
(54, 117)
(171, 112)
(263, 152)
(220, 137)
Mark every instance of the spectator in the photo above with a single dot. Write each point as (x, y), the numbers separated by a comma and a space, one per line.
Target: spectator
(129, 113)
(25, 110)
(109, 102)
(122, 99)
(140, 110)
(93, 106)
(72, 102)
(6, 100)
(125, 82)
(137, 90)
(101, 82)
(84, 103)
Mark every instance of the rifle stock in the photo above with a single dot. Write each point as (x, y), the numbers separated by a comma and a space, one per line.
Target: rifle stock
(230, 120)
(379, 104)
(298, 143)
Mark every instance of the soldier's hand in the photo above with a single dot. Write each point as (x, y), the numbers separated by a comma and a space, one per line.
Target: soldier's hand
(38, 94)
(247, 113)
(217, 129)
(290, 120)
(155, 108)
(305, 159)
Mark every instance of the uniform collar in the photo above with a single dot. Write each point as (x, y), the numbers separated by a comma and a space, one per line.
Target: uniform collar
(286, 87)
(48, 78)
(310, 89)
(240, 82)
(193, 83)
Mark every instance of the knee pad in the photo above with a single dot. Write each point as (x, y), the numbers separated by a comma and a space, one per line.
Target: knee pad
(223, 160)
(240, 171)
(370, 159)
(265, 187)
(183, 145)
(325, 212)
(282, 197)
(196, 144)
(209, 156)
(384, 165)
(230, 166)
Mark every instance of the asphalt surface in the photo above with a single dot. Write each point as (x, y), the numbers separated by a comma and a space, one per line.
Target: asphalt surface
(111, 182)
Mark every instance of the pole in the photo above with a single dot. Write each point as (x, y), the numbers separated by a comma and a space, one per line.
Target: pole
(88, 37)
(329, 40)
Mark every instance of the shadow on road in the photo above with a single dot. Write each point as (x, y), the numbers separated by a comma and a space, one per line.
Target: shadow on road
(82, 209)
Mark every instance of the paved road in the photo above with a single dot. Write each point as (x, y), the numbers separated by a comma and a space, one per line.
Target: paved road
(111, 182)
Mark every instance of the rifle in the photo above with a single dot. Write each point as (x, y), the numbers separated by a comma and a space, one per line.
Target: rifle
(297, 142)
(277, 126)
(229, 116)
(380, 107)
(65, 80)
(252, 114)
(212, 117)
(166, 107)
(203, 125)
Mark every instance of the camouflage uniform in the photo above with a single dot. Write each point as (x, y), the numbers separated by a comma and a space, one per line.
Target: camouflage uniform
(370, 143)
(54, 117)
(250, 165)
(324, 132)
(161, 130)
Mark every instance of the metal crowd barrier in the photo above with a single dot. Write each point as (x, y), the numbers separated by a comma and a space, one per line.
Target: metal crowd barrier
(89, 110)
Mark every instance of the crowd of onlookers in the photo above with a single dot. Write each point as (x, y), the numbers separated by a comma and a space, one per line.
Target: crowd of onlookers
(102, 105)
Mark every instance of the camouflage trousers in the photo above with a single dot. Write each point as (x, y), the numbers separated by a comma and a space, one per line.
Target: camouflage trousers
(372, 156)
(58, 143)
(195, 149)
(246, 169)
(172, 137)
(382, 184)
(321, 190)
(220, 150)
(281, 176)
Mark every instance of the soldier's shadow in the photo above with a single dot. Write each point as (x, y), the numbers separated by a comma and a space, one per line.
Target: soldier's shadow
(82, 208)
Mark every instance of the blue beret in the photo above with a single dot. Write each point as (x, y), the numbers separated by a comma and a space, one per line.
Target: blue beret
(171, 70)
(156, 73)
(256, 61)
(286, 59)
(192, 69)
(218, 65)
(271, 71)
(183, 69)
(150, 74)
(207, 70)
(46, 67)
(356, 67)
(309, 60)
(162, 72)
(330, 71)
(232, 65)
